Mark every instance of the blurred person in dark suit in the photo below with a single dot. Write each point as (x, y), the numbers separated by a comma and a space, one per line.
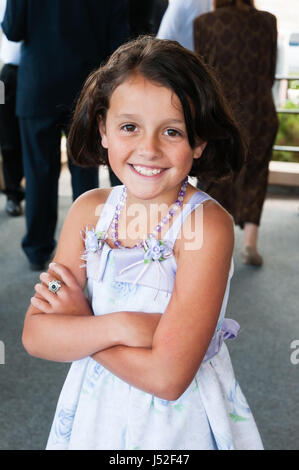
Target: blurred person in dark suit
(145, 17)
(63, 41)
(240, 43)
(158, 13)
(10, 139)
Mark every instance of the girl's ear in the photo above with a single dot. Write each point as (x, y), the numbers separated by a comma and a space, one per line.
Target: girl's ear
(102, 130)
(197, 153)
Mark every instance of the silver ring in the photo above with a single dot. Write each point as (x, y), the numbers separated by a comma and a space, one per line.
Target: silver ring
(54, 286)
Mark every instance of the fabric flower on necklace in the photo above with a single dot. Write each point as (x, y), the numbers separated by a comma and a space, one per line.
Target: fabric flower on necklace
(156, 250)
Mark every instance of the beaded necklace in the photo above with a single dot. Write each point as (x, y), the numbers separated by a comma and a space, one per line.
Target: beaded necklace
(157, 229)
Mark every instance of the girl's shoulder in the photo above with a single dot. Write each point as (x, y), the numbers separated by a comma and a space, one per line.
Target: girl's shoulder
(203, 201)
(209, 226)
(97, 195)
(88, 207)
(215, 217)
(85, 211)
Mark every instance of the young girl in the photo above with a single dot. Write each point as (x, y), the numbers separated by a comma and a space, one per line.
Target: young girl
(150, 369)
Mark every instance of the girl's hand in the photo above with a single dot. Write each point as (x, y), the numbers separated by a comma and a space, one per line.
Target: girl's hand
(70, 298)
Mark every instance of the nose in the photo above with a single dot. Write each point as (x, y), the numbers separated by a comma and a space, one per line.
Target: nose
(149, 146)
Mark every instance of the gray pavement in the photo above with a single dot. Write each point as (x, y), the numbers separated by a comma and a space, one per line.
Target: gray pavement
(265, 301)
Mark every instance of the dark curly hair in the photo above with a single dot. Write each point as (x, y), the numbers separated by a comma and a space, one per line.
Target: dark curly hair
(207, 115)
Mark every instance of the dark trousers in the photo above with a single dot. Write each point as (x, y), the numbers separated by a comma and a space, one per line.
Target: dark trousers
(41, 140)
(10, 140)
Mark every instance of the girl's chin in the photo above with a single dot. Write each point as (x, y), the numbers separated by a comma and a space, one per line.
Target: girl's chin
(142, 194)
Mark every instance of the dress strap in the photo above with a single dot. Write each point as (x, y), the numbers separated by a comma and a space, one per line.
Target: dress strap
(196, 200)
(109, 209)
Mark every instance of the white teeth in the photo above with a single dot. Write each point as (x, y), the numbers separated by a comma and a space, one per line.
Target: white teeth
(147, 171)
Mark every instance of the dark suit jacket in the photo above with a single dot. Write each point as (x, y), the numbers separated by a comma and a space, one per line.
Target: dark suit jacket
(64, 40)
(145, 16)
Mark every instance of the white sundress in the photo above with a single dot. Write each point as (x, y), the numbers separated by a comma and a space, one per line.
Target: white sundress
(97, 410)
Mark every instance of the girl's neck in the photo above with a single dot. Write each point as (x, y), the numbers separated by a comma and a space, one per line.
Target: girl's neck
(166, 198)
(138, 219)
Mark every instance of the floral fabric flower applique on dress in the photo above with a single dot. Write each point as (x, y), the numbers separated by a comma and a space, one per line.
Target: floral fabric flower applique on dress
(93, 241)
(155, 251)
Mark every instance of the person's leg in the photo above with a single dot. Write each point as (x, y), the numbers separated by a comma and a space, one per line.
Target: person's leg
(83, 179)
(10, 142)
(250, 254)
(250, 234)
(254, 186)
(41, 156)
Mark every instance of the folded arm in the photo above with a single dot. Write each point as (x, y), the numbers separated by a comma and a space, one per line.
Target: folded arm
(188, 324)
(67, 338)
(61, 327)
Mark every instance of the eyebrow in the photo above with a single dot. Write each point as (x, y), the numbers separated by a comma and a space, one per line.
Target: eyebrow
(135, 116)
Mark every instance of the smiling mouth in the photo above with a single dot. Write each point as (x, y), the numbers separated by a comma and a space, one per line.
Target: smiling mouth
(147, 171)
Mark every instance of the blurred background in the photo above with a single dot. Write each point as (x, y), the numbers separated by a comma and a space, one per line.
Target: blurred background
(264, 301)
(286, 91)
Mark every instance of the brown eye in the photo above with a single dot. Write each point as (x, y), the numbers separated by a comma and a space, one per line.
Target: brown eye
(172, 133)
(128, 128)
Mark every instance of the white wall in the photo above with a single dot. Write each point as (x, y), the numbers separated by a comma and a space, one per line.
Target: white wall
(286, 11)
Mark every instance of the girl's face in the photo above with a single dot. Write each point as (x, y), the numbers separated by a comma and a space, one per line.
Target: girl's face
(147, 141)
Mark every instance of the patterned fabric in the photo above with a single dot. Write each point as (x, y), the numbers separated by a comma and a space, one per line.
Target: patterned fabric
(241, 48)
(211, 414)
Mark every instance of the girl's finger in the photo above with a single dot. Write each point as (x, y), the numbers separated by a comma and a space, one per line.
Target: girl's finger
(46, 278)
(41, 305)
(64, 273)
(43, 290)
